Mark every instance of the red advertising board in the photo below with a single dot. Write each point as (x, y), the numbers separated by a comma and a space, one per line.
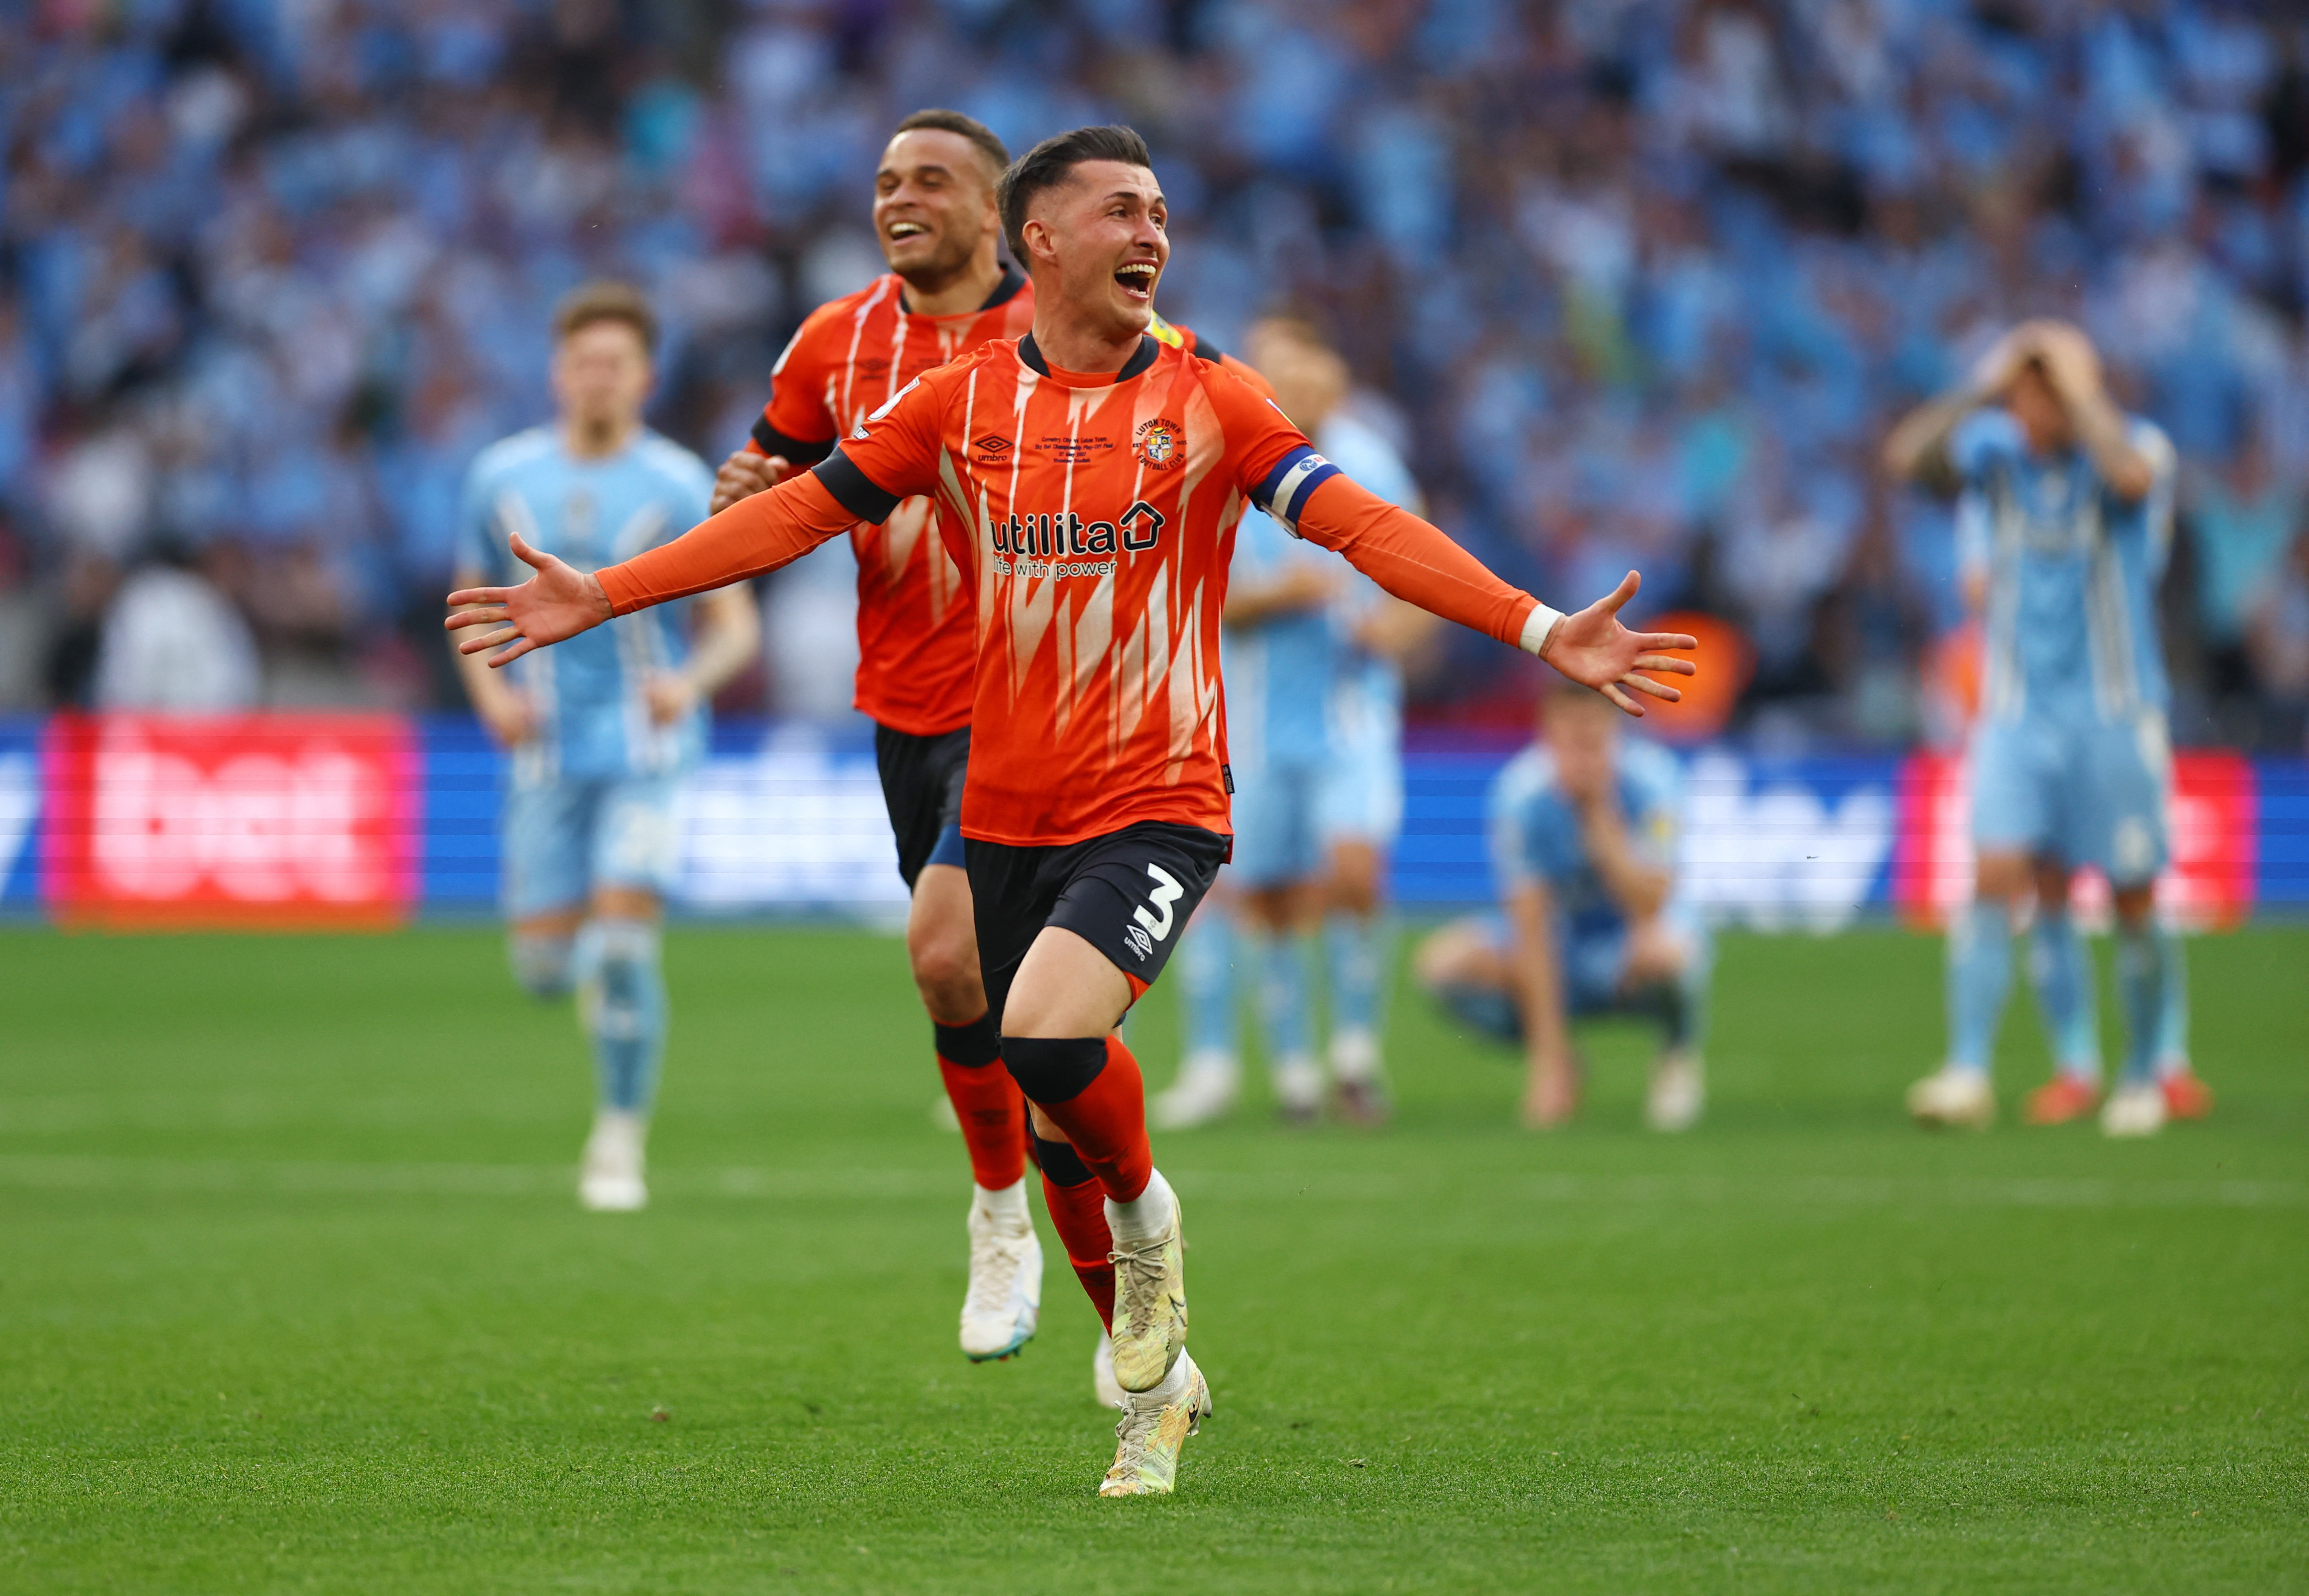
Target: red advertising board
(283, 820)
(2209, 881)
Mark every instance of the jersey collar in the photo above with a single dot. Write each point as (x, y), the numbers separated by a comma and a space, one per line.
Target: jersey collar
(1149, 347)
(1006, 291)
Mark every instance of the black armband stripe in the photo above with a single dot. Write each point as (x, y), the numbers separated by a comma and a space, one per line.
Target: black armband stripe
(853, 490)
(796, 451)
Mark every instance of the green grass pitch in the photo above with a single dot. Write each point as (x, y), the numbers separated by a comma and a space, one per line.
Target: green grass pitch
(295, 1296)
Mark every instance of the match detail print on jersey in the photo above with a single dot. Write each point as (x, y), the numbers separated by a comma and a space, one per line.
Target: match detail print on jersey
(1096, 544)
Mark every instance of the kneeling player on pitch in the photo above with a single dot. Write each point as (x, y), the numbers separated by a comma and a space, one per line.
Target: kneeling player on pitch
(1584, 828)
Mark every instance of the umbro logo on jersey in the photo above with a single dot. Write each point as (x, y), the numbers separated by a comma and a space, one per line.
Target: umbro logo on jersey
(1162, 443)
(992, 449)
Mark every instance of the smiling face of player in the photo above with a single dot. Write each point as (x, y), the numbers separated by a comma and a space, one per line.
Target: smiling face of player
(601, 378)
(934, 212)
(1099, 242)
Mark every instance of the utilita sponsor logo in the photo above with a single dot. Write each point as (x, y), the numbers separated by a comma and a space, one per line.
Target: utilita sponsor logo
(246, 819)
(1034, 542)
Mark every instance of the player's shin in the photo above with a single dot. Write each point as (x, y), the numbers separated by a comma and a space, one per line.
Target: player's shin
(2060, 969)
(2173, 1018)
(986, 1101)
(621, 991)
(1283, 1007)
(1077, 1204)
(2147, 970)
(1359, 947)
(542, 964)
(1979, 979)
(1090, 1087)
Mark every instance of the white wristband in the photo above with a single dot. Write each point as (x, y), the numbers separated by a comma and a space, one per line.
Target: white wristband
(1536, 627)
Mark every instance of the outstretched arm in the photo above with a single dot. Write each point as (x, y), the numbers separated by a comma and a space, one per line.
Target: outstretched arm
(1418, 564)
(757, 535)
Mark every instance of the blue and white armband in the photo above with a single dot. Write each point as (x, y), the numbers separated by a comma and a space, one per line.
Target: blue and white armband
(1284, 491)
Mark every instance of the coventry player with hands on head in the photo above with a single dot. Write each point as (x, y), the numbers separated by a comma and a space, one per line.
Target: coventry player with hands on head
(1585, 825)
(2064, 520)
(1313, 656)
(601, 732)
(1095, 474)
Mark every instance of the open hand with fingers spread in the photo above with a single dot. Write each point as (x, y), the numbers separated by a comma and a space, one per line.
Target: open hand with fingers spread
(1595, 650)
(559, 602)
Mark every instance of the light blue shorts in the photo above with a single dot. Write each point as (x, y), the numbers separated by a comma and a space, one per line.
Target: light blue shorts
(566, 839)
(2088, 794)
(1289, 815)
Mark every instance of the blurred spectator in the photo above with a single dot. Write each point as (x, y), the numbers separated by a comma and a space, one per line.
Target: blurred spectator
(173, 642)
(1645, 278)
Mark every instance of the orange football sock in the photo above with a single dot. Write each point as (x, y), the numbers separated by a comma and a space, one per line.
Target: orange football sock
(1078, 1214)
(1106, 1119)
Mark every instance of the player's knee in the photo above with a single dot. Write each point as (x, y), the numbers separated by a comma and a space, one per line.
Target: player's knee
(946, 971)
(541, 964)
(1444, 957)
(2136, 906)
(1053, 1069)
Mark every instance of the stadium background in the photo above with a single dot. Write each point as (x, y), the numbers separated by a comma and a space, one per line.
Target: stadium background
(296, 1295)
(1636, 283)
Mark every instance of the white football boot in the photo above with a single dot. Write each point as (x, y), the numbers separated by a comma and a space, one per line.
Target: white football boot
(1953, 1098)
(609, 1177)
(1154, 1427)
(1103, 1386)
(1679, 1091)
(1205, 1091)
(2135, 1108)
(1004, 1304)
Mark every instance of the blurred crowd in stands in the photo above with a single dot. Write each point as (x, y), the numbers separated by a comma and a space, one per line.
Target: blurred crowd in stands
(1637, 282)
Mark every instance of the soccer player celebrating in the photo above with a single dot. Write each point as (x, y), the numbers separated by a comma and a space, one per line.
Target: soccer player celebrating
(1584, 830)
(1316, 730)
(946, 292)
(1094, 474)
(2065, 519)
(601, 732)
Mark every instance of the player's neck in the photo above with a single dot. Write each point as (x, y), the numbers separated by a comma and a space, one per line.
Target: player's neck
(1080, 342)
(588, 440)
(958, 295)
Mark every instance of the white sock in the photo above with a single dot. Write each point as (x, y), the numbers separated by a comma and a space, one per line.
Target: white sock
(1007, 1208)
(1174, 1385)
(1145, 1217)
(1354, 1055)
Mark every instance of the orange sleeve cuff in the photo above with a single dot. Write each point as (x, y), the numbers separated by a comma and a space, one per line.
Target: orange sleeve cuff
(1413, 560)
(753, 536)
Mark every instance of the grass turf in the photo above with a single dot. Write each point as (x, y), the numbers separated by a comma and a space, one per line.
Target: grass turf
(296, 1298)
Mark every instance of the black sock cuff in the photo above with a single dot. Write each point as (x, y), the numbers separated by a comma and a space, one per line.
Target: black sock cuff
(1053, 1069)
(973, 1046)
(1062, 1165)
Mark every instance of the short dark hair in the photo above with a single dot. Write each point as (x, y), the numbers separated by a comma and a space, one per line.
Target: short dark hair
(605, 300)
(1051, 163)
(996, 153)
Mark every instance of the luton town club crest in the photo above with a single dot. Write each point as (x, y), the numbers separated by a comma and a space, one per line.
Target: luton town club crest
(1159, 443)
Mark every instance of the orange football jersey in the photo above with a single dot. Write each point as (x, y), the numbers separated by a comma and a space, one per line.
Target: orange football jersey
(1093, 517)
(849, 357)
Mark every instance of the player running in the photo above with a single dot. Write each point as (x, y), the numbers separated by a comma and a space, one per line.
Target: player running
(2064, 523)
(948, 291)
(1584, 828)
(1094, 475)
(1316, 732)
(601, 732)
